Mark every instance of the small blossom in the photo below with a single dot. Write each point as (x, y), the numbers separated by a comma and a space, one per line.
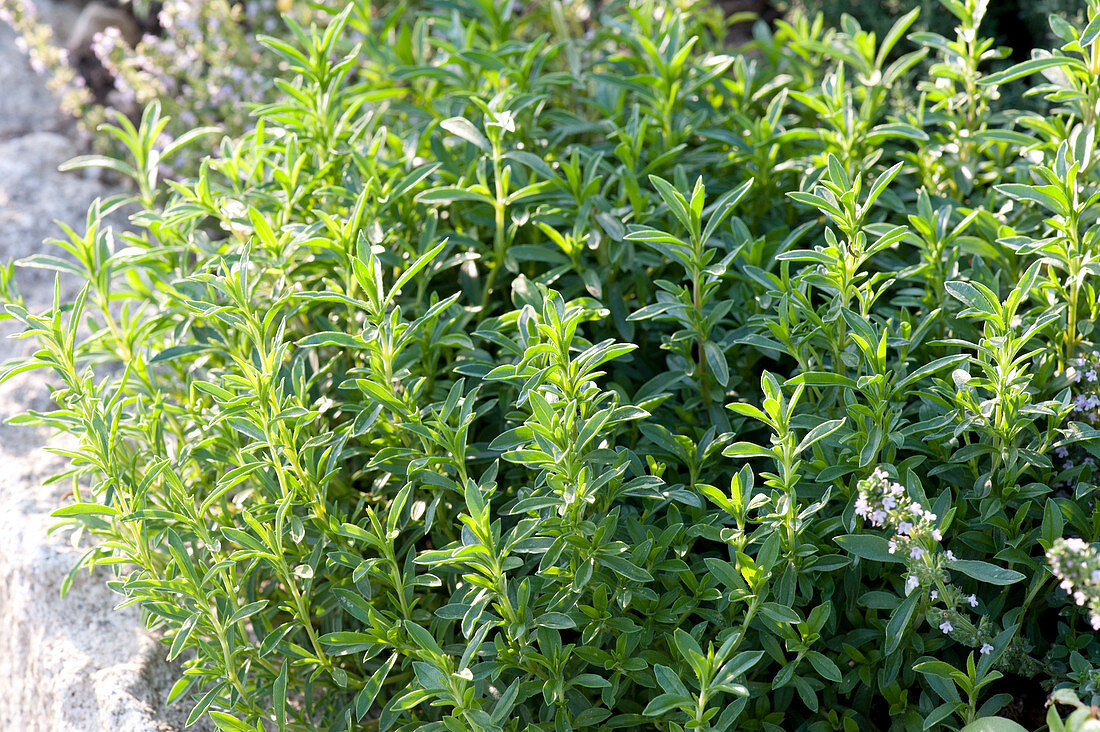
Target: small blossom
(506, 120)
(973, 600)
(986, 649)
(916, 552)
(949, 555)
(911, 583)
(946, 626)
(934, 595)
(1077, 566)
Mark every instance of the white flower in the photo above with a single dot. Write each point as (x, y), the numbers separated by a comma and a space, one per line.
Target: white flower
(911, 583)
(934, 595)
(916, 552)
(986, 649)
(946, 626)
(973, 600)
(505, 120)
(950, 555)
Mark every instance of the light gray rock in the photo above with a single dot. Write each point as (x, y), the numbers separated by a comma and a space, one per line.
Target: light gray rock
(73, 664)
(25, 103)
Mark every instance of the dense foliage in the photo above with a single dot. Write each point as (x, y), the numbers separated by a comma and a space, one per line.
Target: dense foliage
(520, 372)
(1019, 24)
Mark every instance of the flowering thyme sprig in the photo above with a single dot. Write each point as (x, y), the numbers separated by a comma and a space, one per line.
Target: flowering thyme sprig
(36, 39)
(917, 541)
(1077, 565)
(885, 503)
(1084, 407)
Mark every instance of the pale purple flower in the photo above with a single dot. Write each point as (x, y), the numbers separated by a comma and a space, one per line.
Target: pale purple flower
(946, 626)
(950, 555)
(973, 600)
(911, 583)
(986, 649)
(916, 552)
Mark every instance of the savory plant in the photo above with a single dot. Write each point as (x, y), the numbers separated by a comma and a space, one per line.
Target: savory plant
(601, 378)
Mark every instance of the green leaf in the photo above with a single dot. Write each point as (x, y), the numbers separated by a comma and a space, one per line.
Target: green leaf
(246, 612)
(867, 546)
(205, 701)
(986, 572)
(676, 202)
(627, 569)
(899, 622)
(664, 703)
(825, 667)
(464, 128)
(819, 432)
(366, 696)
(414, 269)
(278, 697)
(716, 361)
(975, 296)
(780, 613)
(993, 724)
(1032, 66)
(670, 681)
(230, 723)
(84, 509)
(450, 194)
(331, 338)
(939, 669)
(1048, 197)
